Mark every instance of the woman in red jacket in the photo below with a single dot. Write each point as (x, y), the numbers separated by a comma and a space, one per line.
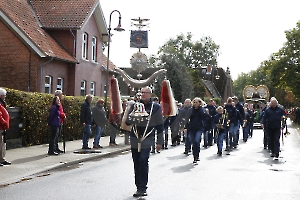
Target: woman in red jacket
(4, 125)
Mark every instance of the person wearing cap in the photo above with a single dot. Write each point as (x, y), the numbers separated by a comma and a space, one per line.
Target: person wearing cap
(86, 119)
(99, 117)
(4, 125)
(62, 117)
(195, 126)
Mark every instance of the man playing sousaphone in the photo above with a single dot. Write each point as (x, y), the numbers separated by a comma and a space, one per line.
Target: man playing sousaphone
(146, 118)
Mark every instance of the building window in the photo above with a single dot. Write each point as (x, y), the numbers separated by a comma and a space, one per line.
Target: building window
(48, 84)
(83, 88)
(93, 85)
(60, 82)
(85, 46)
(94, 49)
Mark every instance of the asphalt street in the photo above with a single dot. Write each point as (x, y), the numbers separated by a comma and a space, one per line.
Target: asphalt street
(247, 173)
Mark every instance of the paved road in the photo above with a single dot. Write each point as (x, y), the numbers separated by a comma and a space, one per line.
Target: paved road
(247, 173)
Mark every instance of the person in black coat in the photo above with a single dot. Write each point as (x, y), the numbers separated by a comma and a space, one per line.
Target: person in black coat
(87, 120)
(141, 138)
(195, 126)
(272, 119)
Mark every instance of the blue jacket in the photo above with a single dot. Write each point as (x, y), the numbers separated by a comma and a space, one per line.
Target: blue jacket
(54, 119)
(216, 120)
(272, 117)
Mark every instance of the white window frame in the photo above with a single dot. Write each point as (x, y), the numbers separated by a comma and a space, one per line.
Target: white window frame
(94, 49)
(48, 84)
(85, 46)
(93, 86)
(83, 87)
(60, 83)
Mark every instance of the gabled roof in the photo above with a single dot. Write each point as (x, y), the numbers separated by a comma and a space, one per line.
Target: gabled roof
(104, 63)
(20, 19)
(69, 14)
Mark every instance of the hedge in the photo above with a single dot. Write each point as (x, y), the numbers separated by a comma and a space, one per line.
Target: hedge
(35, 110)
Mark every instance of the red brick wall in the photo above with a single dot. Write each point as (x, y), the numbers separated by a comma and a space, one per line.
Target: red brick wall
(15, 67)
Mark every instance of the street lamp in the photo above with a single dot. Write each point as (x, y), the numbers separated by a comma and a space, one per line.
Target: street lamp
(118, 28)
(212, 79)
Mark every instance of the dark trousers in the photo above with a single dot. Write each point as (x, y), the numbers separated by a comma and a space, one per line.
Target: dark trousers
(53, 138)
(141, 167)
(266, 137)
(175, 133)
(274, 137)
(56, 148)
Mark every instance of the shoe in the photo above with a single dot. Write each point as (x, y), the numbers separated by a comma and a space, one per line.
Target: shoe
(1, 165)
(52, 154)
(86, 148)
(185, 152)
(113, 144)
(173, 145)
(219, 153)
(152, 151)
(59, 151)
(157, 151)
(166, 148)
(276, 156)
(6, 163)
(272, 155)
(195, 161)
(140, 194)
(96, 147)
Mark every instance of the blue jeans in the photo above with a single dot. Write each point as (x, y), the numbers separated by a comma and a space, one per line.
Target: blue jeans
(87, 131)
(205, 137)
(246, 132)
(97, 136)
(220, 141)
(195, 138)
(187, 142)
(141, 167)
(53, 138)
(233, 135)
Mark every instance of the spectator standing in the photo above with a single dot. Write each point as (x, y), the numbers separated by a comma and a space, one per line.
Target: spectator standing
(86, 119)
(54, 123)
(4, 125)
(62, 117)
(99, 117)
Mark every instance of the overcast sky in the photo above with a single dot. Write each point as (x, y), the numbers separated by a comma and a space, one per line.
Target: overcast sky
(248, 32)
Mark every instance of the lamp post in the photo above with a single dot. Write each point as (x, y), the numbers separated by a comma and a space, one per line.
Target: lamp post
(118, 28)
(212, 79)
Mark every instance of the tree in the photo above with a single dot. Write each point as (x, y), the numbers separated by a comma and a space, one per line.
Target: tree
(184, 59)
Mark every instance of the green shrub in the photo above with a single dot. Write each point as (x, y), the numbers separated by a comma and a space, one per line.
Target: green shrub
(34, 113)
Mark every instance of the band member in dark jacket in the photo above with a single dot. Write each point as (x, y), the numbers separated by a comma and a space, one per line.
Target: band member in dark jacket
(195, 126)
(232, 123)
(220, 121)
(141, 138)
(241, 117)
(87, 120)
(212, 113)
(246, 126)
(272, 119)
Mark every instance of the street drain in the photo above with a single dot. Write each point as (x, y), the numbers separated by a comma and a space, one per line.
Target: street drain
(86, 152)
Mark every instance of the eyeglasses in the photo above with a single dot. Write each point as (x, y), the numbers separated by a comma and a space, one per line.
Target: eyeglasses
(145, 92)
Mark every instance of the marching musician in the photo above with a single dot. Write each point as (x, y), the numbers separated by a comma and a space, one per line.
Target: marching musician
(246, 125)
(195, 126)
(212, 113)
(272, 120)
(266, 135)
(220, 121)
(141, 138)
(232, 122)
(241, 112)
(183, 118)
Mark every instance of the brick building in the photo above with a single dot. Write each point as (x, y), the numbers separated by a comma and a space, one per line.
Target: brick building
(51, 44)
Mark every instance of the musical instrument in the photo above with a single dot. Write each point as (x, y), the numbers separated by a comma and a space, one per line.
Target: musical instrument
(245, 123)
(221, 122)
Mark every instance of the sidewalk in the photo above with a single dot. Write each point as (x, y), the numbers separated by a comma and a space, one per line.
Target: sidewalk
(29, 161)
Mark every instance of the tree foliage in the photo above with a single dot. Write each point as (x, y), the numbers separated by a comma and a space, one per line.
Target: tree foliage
(183, 58)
